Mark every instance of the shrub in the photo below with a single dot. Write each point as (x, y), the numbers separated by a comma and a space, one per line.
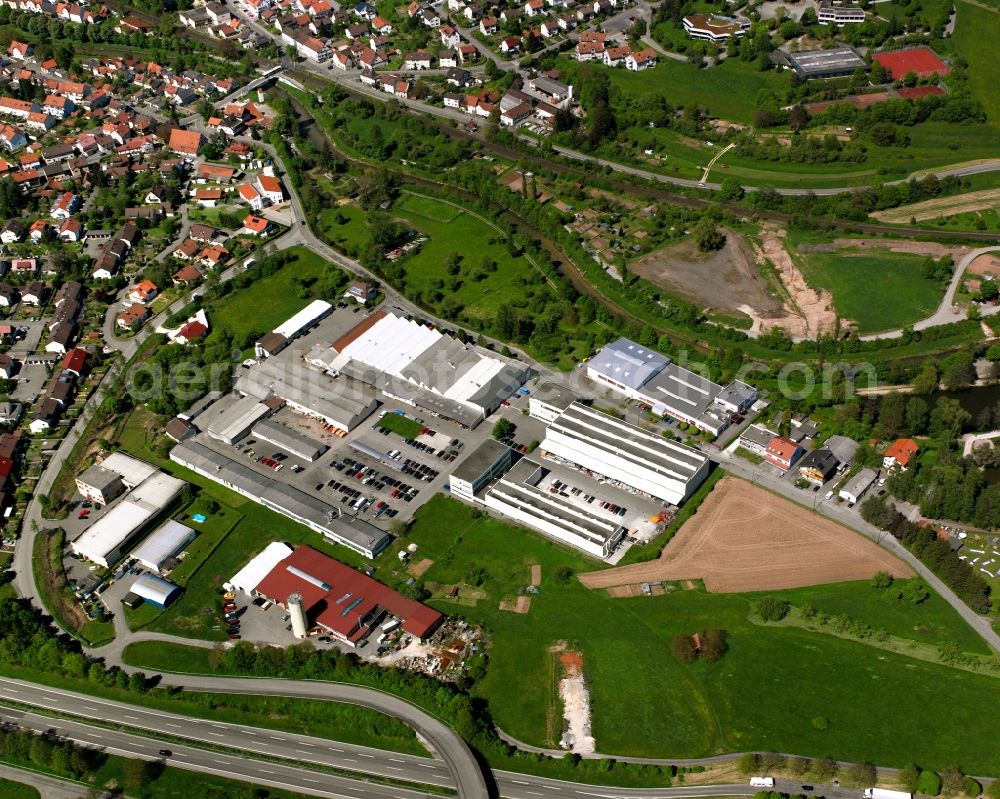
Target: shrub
(820, 722)
(929, 783)
(773, 609)
(683, 647)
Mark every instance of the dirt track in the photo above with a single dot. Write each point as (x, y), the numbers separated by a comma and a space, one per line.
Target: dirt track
(744, 538)
(941, 206)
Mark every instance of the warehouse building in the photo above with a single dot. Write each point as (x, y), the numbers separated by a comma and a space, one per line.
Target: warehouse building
(231, 418)
(345, 404)
(131, 470)
(422, 367)
(834, 63)
(155, 590)
(639, 373)
(342, 601)
(487, 462)
(855, 488)
(304, 320)
(355, 534)
(291, 441)
(620, 451)
(548, 400)
(248, 578)
(520, 495)
(105, 541)
(163, 543)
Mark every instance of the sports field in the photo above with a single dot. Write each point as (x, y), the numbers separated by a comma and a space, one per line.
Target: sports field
(744, 538)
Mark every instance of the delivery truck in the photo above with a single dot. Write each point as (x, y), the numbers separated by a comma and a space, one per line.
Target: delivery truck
(762, 782)
(883, 793)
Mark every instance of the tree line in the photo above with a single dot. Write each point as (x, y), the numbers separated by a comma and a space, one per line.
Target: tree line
(934, 552)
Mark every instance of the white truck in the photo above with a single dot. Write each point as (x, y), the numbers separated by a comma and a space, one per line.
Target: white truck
(762, 782)
(883, 793)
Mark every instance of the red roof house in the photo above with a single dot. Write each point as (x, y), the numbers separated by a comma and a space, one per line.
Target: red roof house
(782, 453)
(899, 453)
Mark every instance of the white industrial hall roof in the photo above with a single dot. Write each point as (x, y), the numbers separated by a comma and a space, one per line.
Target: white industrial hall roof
(249, 577)
(132, 470)
(164, 542)
(313, 312)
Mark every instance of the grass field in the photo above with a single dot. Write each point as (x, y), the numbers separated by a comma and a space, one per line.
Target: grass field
(403, 425)
(975, 39)
(270, 300)
(762, 695)
(17, 790)
(879, 290)
(728, 91)
(481, 292)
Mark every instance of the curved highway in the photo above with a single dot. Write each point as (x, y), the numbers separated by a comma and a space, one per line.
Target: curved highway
(296, 762)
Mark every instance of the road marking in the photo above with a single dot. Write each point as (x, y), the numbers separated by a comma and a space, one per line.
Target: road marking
(427, 765)
(134, 718)
(223, 762)
(276, 738)
(364, 755)
(175, 726)
(520, 782)
(396, 760)
(394, 768)
(304, 751)
(217, 734)
(306, 743)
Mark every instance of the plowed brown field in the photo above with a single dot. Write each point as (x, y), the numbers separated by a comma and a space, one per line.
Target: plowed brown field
(744, 538)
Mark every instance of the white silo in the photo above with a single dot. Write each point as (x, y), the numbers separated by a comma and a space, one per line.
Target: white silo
(300, 629)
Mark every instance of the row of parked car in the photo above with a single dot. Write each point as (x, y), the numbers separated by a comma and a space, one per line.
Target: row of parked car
(370, 476)
(232, 612)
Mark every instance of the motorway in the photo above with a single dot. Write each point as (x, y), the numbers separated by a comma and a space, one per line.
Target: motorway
(304, 749)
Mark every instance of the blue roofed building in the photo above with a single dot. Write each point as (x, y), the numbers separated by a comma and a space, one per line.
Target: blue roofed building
(667, 388)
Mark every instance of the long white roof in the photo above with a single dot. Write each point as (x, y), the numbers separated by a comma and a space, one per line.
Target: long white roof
(249, 577)
(391, 344)
(132, 470)
(315, 310)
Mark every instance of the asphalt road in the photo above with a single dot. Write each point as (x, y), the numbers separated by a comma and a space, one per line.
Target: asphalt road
(305, 749)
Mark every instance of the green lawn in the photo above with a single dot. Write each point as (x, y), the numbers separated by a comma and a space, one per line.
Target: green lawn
(877, 289)
(728, 91)
(975, 39)
(270, 300)
(17, 790)
(402, 425)
(762, 695)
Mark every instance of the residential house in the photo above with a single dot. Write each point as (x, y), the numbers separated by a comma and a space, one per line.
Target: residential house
(511, 45)
(8, 295)
(251, 197)
(12, 138)
(488, 26)
(132, 317)
(638, 61)
(12, 232)
(60, 337)
(900, 454)
(34, 293)
(421, 59)
(818, 466)
(361, 291)
(270, 189)
(46, 417)
(71, 230)
(185, 142)
(8, 366)
(782, 452)
(255, 226)
(144, 291)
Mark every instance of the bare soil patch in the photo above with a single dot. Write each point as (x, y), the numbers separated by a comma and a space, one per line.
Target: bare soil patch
(744, 538)
(536, 574)
(932, 248)
(419, 569)
(941, 206)
(808, 312)
(521, 605)
(987, 264)
(726, 281)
